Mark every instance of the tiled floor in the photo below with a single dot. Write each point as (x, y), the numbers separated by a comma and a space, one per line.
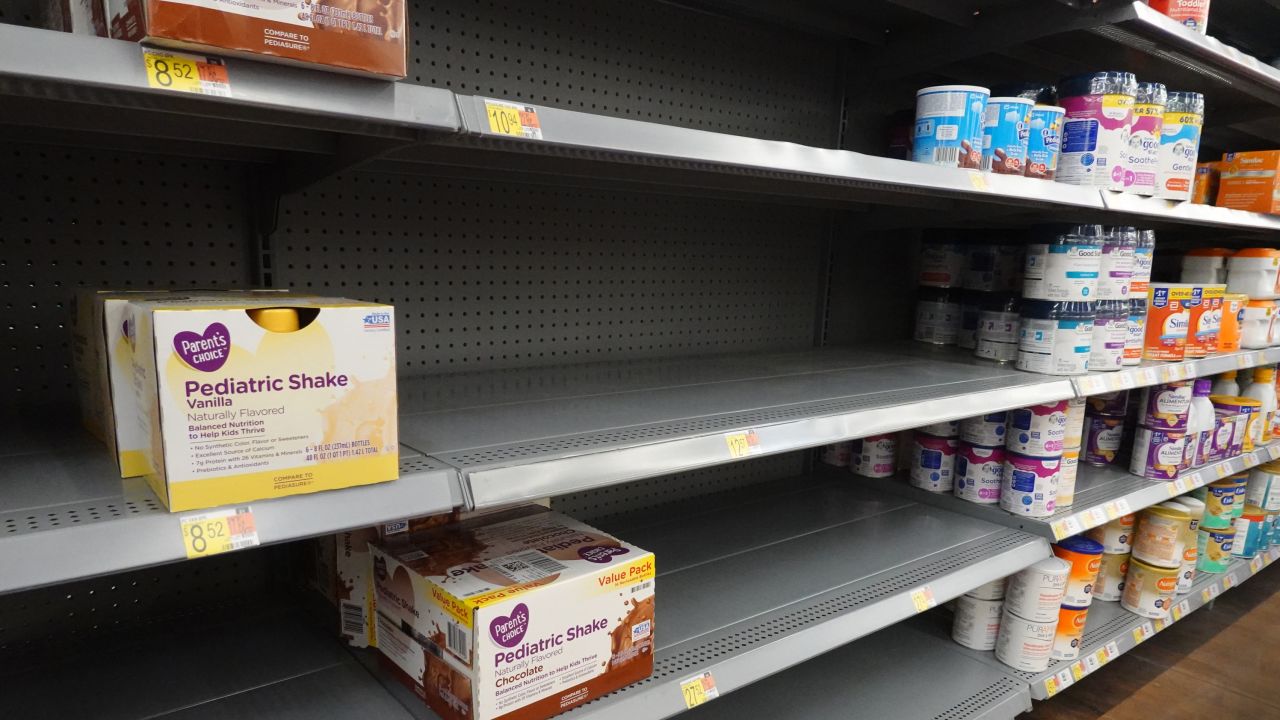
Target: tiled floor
(1217, 662)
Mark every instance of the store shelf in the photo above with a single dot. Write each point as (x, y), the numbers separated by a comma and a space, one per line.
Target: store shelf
(80, 83)
(246, 664)
(65, 514)
(869, 675)
(1152, 372)
(1140, 208)
(1111, 631)
(753, 582)
(1102, 494)
(520, 435)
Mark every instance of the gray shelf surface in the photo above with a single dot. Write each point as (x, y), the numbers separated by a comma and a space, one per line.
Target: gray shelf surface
(865, 679)
(525, 434)
(1151, 372)
(753, 582)
(66, 514)
(1102, 494)
(1110, 630)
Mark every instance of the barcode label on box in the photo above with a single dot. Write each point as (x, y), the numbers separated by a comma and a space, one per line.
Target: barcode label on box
(458, 640)
(526, 566)
(352, 619)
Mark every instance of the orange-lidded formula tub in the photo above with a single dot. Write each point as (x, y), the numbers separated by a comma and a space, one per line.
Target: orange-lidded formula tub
(1069, 634)
(1205, 322)
(1168, 318)
(1232, 315)
(1085, 556)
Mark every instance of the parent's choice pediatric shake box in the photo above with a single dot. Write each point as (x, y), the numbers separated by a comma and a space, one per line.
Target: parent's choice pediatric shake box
(245, 399)
(517, 619)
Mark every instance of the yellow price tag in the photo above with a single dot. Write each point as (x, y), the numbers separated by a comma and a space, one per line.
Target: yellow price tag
(1228, 581)
(167, 70)
(1077, 670)
(1205, 595)
(1177, 612)
(923, 598)
(1051, 686)
(1060, 530)
(1113, 511)
(1222, 471)
(742, 444)
(513, 120)
(699, 689)
(1138, 636)
(219, 531)
(978, 181)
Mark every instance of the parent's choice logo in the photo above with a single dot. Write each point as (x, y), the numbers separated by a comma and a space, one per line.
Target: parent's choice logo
(509, 630)
(204, 352)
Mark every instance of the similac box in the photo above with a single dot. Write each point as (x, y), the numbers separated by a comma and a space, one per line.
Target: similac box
(521, 618)
(248, 398)
(1250, 181)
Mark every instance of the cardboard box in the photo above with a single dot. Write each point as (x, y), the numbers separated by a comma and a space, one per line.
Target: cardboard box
(365, 37)
(519, 617)
(1204, 191)
(82, 17)
(341, 571)
(1249, 181)
(251, 398)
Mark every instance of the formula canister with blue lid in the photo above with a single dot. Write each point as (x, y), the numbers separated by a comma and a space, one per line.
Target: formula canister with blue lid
(1044, 140)
(1144, 136)
(1064, 266)
(949, 121)
(998, 325)
(1004, 134)
(1110, 330)
(1055, 338)
(1095, 133)
(1179, 145)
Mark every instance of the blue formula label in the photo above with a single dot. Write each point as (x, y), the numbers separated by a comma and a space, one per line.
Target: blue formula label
(1005, 130)
(949, 124)
(1044, 138)
(1179, 149)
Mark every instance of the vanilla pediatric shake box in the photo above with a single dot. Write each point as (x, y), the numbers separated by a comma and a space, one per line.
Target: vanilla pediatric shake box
(519, 619)
(246, 398)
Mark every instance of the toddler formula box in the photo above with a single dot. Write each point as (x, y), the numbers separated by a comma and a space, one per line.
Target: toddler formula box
(521, 618)
(1250, 181)
(247, 398)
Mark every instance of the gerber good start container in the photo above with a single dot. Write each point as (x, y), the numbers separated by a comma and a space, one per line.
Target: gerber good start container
(1064, 267)
(1095, 134)
(1144, 137)
(1029, 485)
(1055, 338)
(1179, 145)
(1037, 430)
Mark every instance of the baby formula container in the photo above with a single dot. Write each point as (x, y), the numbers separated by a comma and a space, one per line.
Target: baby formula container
(1109, 404)
(1065, 267)
(1143, 258)
(1115, 536)
(977, 622)
(1110, 331)
(1102, 443)
(1135, 331)
(1036, 592)
(1179, 144)
(1221, 503)
(1205, 322)
(979, 471)
(1213, 550)
(1256, 324)
(1023, 644)
(1251, 409)
(837, 454)
(874, 456)
(1073, 435)
(1160, 539)
(1144, 137)
(1115, 273)
(1095, 134)
(998, 325)
(1044, 141)
(1253, 272)
(1070, 632)
(1037, 430)
(1005, 131)
(1224, 383)
(938, 315)
(933, 463)
(970, 309)
(1201, 422)
(1111, 577)
(1029, 485)
(993, 590)
(1085, 556)
(1158, 454)
(1263, 488)
(1067, 472)
(1206, 266)
(1187, 569)
(1192, 13)
(1055, 338)
(949, 121)
(993, 267)
(1249, 529)
(946, 429)
(1149, 589)
(1165, 407)
(1167, 320)
(988, 430)
(942, 262)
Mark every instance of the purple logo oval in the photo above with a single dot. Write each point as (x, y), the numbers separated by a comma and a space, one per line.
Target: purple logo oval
(600, 553)
(509, 630)
(207, 352)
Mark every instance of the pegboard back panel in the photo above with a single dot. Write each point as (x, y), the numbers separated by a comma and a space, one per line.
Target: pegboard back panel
(649, 61)
(72, 219)
(489, 275)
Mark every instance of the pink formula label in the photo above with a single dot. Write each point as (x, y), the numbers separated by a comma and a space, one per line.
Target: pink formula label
(1144, 147)
(978, 473)
(1095, 141)
(1029, 485)
(873, 456)
(1038, 430)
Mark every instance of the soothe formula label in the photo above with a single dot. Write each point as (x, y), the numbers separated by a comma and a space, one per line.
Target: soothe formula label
(245, 399)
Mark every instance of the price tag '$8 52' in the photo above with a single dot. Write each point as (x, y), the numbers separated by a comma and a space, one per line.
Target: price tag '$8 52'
(218, 531)
(167, 70)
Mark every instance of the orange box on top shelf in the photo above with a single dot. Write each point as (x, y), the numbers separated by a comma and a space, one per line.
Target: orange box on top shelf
(1250, 181)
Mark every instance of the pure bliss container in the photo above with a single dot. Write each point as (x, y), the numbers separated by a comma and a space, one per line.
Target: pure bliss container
(1160, 536)
(1102, 439)
(1029, 485)
(874, 456)
(1065, 266)
(1023, 644)
(1165, 407)
(993, 590)
(1005, 130)
(1038, 430)
(988, 430)
(1036, 592)
(1179, 145)
(1055, 338)
(933, 461)
(1095, 134)
(1149, 589)
(949, 121)
(1167, 321)
(1144, 137)
(1044, 141)
(1111, 574)
(1135, 331)
(977, 622)
(1110, 331)
(998, 329)
(979, 471)
(1069, 633)
(1085, 556)
(1158, 454)
(1116, 536)
(1115, 272)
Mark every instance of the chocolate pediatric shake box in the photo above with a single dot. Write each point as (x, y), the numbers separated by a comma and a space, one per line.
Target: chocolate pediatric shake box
(521, 618)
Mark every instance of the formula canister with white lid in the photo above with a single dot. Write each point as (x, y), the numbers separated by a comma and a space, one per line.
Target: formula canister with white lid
(1036, 592)
(938, 315)
(1030, 485)
(1038, 430)
(977, 622)
(998, 324)
(874, 456)
(1025, 644)
(987, 430)
(978, 473)
(1116, 536)
(1144, 137)
(1161, 535)
(993, 590)
(942, 262)
(1135, 331)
